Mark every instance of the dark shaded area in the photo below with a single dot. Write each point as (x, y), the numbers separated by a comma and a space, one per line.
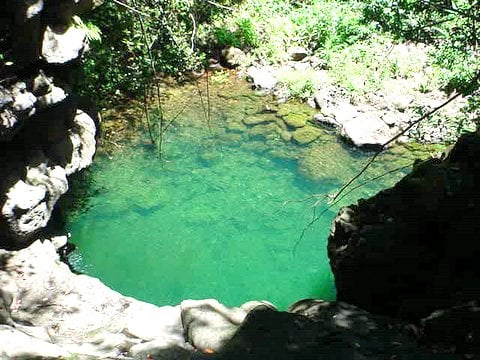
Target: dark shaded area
(413, 249)
(322, 330)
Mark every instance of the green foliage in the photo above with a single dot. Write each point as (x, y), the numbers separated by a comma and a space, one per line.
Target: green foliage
(243, 35)
(247, 32)
(158, 36)
(328, 24)
(225, 37)
(118, 65)
(451, 25)
(459, 68)
(93, 32)
(299, 84)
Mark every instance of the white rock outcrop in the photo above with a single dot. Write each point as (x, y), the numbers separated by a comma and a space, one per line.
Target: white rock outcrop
(48, 312)
(71, 314)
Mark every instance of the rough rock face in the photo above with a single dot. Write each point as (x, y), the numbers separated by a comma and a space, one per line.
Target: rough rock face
(413, 249)
(46, 132)
(46, 311)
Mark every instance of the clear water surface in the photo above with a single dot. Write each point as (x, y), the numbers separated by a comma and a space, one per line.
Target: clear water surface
(220, 219)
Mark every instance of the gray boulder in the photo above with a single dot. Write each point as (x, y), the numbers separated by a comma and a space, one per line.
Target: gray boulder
(209, 324)
(297, 53)
(17, 345)
(326, 121)
(45, 134)
(76, 314)
(366, 131)
(233, 57)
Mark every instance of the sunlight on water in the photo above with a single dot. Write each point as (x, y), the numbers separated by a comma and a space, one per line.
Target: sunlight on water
(222, 218)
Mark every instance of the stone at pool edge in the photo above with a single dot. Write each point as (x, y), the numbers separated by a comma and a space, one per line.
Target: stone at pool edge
(265, 130)
(296, 120)
(209, 325)
(306, 134)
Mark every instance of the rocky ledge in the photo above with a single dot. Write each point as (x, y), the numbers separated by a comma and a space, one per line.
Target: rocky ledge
(369, 120)
(48, 312)
(46, 132)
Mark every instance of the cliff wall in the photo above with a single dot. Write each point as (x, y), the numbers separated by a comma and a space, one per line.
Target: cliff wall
(46, 132)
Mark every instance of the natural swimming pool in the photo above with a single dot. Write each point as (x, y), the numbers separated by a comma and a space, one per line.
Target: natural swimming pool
(220, 217)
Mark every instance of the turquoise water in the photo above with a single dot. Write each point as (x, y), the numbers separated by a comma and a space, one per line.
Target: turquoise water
(221, 217)
(207, 224)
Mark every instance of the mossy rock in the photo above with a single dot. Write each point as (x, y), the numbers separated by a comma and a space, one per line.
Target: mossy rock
(267, 131)
(296, 120)
(306, 134)
(281, 124)
(285, 135)
(231, 137)
(295, 108)
(258, 119)
(235, 126)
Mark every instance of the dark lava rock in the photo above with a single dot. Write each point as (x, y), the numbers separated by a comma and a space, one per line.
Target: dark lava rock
(457, 327)
(414, 248)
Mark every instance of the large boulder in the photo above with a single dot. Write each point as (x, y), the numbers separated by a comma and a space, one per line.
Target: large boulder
(306, 134)
(209, 324)
(366, 131)
(297, 53)
(61, 45)
(413, 248)
(233, 57)
(263, 77)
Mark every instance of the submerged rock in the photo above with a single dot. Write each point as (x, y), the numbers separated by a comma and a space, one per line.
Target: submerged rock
(306, 135)
(257, 119)
(266, 131)
(296, 120)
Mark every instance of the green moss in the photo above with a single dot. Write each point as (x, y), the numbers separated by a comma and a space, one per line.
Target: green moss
(267, 131)
(285, 135)
(306, 135)
(293, 107)
(235, 126)
(295, 120)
